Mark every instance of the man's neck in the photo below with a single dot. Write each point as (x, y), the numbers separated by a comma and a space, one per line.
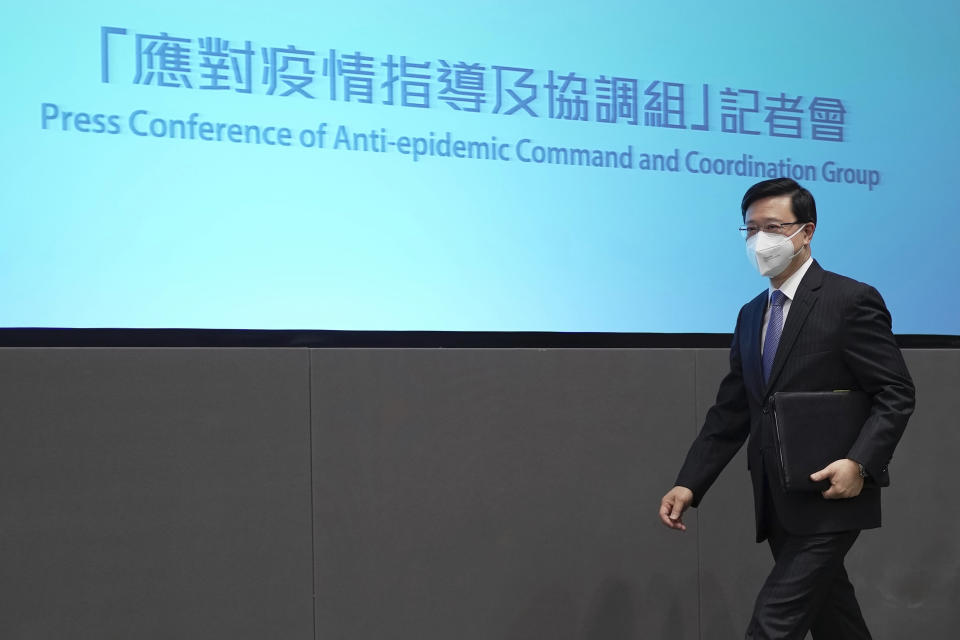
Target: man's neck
(795, 264)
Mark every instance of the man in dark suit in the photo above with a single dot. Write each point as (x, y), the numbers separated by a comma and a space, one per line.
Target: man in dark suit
(813, 330)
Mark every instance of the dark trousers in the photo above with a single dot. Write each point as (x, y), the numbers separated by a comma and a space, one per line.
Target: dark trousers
(808, 588)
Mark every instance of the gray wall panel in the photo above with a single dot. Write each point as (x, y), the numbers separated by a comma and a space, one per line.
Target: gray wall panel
(500, 494)
(908, 571)
(156, 493)
(487, 494)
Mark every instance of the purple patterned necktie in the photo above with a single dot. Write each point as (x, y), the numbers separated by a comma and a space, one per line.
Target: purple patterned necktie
(774, 330)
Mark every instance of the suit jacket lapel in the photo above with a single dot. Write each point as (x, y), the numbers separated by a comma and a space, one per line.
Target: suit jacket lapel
(800, 306)
(750, 338)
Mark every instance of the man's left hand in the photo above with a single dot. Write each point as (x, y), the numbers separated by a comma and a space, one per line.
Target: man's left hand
(844, 477)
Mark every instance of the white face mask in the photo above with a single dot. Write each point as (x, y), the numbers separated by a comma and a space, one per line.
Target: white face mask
(771, 253)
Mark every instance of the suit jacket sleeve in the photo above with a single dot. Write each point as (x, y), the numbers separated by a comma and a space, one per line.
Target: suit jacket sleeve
(872, 354)
(724, 431)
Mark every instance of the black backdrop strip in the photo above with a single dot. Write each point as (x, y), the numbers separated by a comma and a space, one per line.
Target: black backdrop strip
(51, 337)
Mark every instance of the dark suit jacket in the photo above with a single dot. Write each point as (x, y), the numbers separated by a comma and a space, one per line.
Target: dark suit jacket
(837, 336)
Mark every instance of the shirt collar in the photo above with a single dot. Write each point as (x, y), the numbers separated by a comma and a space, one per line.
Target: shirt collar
(789, 287)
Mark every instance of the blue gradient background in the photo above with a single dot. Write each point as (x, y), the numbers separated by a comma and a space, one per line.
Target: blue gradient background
(122, 231)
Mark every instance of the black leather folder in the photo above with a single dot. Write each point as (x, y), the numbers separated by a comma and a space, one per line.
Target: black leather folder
(812, 429)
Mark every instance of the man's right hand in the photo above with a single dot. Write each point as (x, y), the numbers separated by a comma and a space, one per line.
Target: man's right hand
(673, 505)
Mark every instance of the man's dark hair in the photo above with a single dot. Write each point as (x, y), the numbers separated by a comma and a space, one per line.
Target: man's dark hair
(801, 200)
